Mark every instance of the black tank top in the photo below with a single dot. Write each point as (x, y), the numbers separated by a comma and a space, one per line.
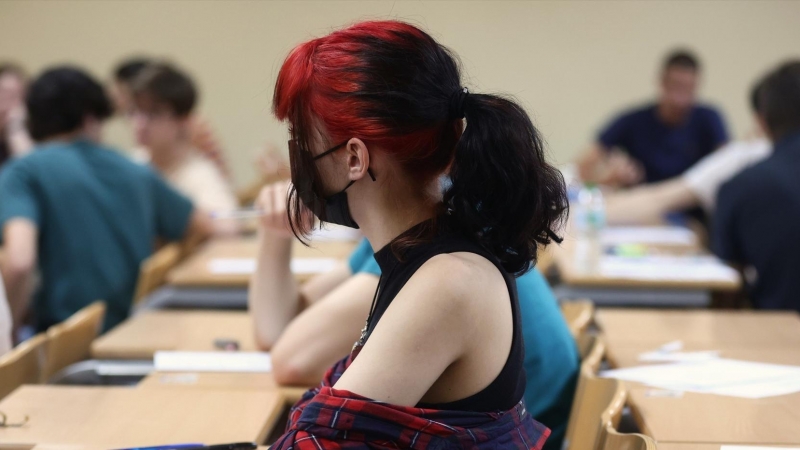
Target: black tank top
(508, 388)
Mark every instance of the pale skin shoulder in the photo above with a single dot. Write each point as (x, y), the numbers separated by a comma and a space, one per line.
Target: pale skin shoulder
(446, 335)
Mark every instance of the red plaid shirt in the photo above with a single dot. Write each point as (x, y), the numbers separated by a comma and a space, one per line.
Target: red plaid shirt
(327, 418)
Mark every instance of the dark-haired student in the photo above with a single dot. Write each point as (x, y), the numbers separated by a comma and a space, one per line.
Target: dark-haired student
(335, 304)
(164, 101)
(757, 221)
(200, 132)
(14, 138)
(377, 115)
(86, 215)
(659, 140)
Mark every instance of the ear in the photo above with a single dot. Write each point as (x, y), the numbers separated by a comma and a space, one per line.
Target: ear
(357, 159)
(762, 125)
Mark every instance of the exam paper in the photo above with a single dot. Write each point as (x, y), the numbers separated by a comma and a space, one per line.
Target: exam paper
(246, 266)
(716, 376)
(660, 235)
(169, 361)
(333, 233)
(757, 447)
(659, 356)
(667, 268)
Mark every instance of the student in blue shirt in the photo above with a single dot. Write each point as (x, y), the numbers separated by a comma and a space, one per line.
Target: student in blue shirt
(658, 140)
(85, 214)
(310, 331)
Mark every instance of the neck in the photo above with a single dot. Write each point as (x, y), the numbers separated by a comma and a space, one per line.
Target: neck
(669, 118)
(167, 158)
(385, 221)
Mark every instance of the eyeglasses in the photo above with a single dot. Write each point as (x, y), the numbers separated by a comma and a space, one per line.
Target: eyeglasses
(294, 148)
(4, 422)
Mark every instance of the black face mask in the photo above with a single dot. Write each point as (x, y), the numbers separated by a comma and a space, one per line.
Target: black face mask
(332, 209)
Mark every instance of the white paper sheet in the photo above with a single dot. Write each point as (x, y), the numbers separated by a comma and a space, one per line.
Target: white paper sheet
(667, 268)
(168, 361)
(334, 233)
(659, 356)
(757, 447)
(246, 266)
(662, 235)
(716, 376)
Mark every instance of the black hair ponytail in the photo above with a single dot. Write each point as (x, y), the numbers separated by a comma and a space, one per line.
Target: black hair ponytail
(504, 193)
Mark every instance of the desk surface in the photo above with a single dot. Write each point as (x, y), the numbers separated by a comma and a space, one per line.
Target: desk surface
(221, 381)
(572, 275)
(705, 418)
(713, 329)
(121, 417)
(142, 335)
(694, 418)
(194, 271)
(699, 446)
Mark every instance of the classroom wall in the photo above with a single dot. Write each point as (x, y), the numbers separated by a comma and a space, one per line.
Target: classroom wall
(571, 63)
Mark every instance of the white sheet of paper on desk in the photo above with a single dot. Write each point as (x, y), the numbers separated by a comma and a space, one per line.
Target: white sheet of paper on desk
(750, 447)
(313, 265)
(660, 356)
(246, 266)
(168, 361)
(667, 268)
(648, 235)
(716, 376)
(334, 233)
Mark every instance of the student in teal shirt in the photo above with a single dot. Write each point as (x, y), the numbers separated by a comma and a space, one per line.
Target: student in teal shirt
(551, 357)
(86, 215)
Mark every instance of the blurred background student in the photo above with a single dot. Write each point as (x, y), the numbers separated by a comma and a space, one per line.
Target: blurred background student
(87, 216)
(14, 139)
(757, 218)
(661, 139)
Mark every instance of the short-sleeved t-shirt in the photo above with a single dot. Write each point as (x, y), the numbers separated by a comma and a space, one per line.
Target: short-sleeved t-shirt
(98, 215)
(756, 226)
(551, 357)
(663, 150)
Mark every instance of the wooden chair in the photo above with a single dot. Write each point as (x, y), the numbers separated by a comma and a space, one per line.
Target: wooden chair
(22, 365)
(153, 271)
(578, 314)
(70, 341)
(614, 440)
(592, 349)
(599, 398)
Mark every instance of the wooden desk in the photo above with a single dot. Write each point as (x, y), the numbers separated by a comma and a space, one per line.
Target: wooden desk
(221, 381)
(698, 446)
(143, 334)
(194, 271)
(713, 330)
(705, 418)
(121, 417)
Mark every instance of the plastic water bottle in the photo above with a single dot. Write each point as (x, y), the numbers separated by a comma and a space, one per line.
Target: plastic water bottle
(589, 214)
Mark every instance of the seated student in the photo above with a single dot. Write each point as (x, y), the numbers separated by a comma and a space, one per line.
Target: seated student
(334, 305)
(660, 140)
(376, 117)
(758, 212)
(164, 99)
(86, 214)
(698, 186)
(14, 139)
(201, 135)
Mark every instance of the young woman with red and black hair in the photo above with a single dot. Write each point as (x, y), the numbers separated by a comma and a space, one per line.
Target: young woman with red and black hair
(378, 116)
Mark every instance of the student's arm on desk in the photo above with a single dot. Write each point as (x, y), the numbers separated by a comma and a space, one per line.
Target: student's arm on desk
(648, 204)
(18, 263)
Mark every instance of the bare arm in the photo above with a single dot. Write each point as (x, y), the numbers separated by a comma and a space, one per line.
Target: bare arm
(648, 204)
(324, 332)
(18, 264)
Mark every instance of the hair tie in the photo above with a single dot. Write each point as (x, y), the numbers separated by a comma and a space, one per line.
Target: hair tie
(456, 106)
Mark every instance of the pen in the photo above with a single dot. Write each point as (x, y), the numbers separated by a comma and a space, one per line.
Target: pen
(237, 214)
